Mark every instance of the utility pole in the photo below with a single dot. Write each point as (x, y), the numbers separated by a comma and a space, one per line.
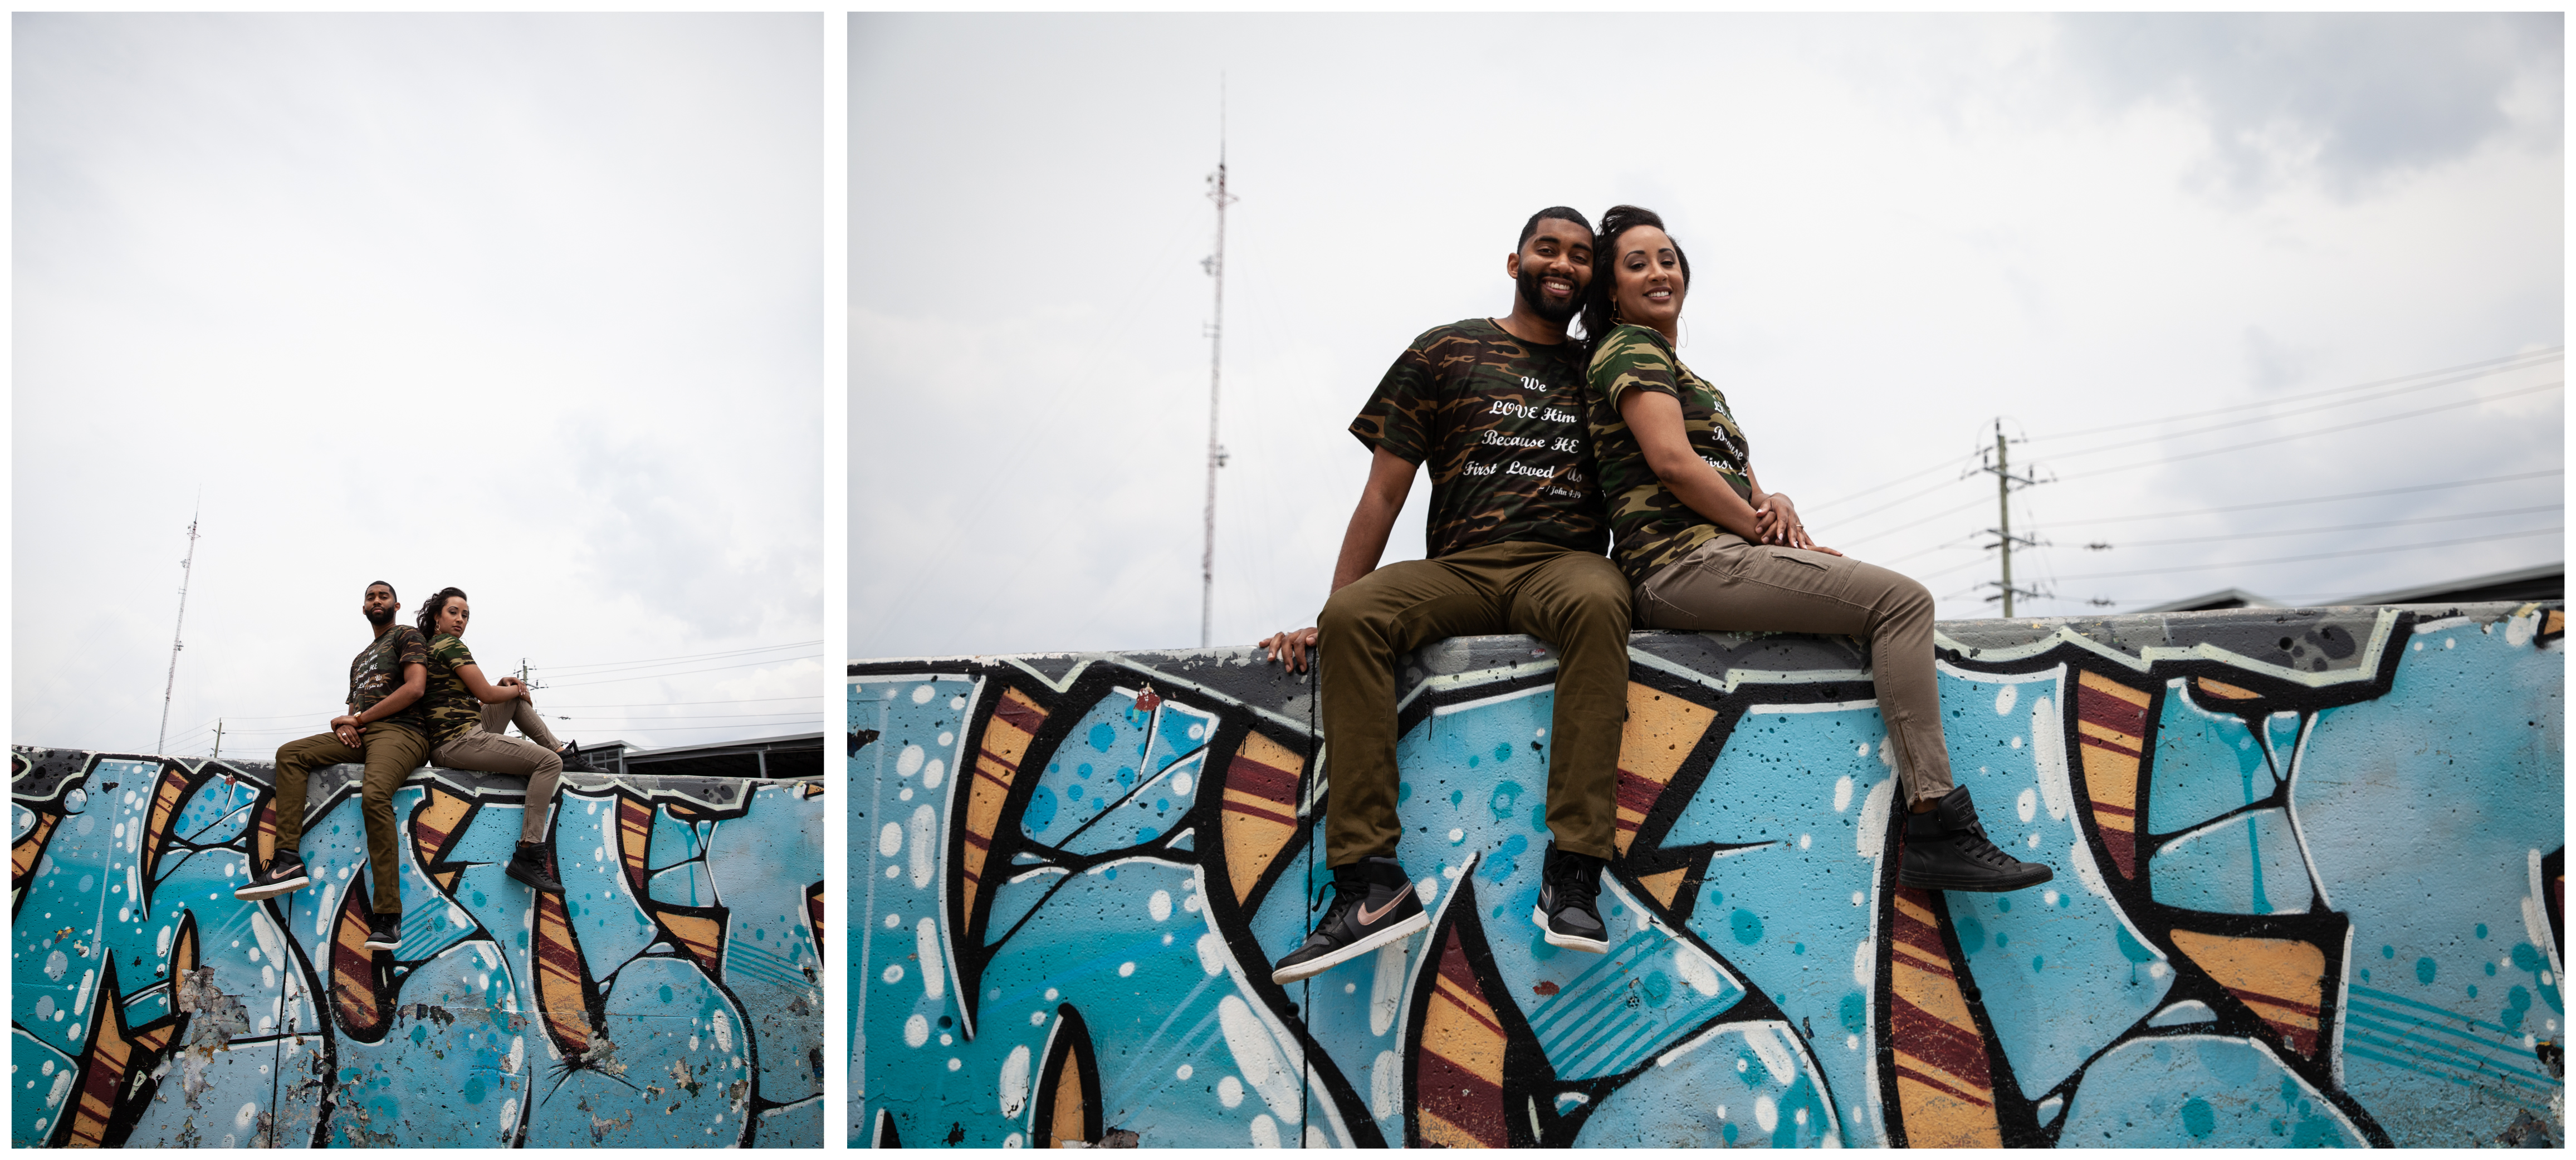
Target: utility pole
(186, 567)
(219, 739)
(2001, 468)
(1214, 264)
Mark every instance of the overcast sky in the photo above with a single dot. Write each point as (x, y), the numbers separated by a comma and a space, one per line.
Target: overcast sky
(531, 306)
(1904, 228)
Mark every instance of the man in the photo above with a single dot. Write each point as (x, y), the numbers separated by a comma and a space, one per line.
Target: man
(1493, 408)
(383, 728)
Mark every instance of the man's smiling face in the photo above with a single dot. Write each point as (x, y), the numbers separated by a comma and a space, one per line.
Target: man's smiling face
(1553, 267)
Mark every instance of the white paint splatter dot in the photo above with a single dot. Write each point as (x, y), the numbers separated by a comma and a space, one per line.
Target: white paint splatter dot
(1183, 1073)
(1160, 905)
(922, 695)
(1859, 898)
(1766, 1115)
(890, 840)
(2004, 699)
(1229, 1091)
(2028, 803)
(894, 973)
(916, 1031)
(1842, 793)
(1126, 969)
(909, 761)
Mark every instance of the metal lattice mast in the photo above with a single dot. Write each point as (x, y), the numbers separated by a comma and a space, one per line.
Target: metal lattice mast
(186, 568)
(1214, 264)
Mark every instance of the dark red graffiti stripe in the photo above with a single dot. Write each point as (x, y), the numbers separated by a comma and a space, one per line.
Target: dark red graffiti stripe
(2103, 807)
(1935, 1082)
(1019, 714)
(2107, 746)
(1638, 793)
(2111, 712)
(1473, 1003)
(984, 769)
(1235, 807)
(1937, 1041)
(2123, 846)
(1261, 780)
(1463, 1098)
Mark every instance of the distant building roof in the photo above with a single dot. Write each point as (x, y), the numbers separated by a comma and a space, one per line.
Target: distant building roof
(2539, 582)
(2208, 601)
(792, 755)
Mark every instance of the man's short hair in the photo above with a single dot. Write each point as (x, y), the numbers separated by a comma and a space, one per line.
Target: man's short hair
(388, 588)
(1561, 213)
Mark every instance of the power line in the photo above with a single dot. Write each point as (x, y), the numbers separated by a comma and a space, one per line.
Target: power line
(2548, 386)
(682, 672)
(687, 657)
(2533, 359)
(2283, 415)
(2243, 507)
(2538, 358)
(2344, 527)
(2320, 555)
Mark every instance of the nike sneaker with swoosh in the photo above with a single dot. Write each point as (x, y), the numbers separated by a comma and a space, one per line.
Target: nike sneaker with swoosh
(1373, 904)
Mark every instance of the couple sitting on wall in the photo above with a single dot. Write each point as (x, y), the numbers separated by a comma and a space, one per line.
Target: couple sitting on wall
(1543, 448)
(414, 694)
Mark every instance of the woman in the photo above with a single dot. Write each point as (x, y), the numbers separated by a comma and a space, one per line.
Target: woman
(467, 716)
(1706, 548)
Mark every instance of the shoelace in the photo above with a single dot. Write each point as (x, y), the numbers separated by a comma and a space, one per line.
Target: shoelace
(1975, 844)
(1342, 904)
(1575, 890)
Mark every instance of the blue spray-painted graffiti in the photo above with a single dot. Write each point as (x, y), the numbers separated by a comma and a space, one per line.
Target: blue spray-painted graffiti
(2308, 891)
(671, 997)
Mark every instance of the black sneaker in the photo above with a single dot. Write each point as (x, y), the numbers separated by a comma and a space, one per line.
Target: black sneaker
(285, 872)
(528, 864)
(1567, 886)
(574, 762)
(384, 932)
(1373, 905)
(1947, 849)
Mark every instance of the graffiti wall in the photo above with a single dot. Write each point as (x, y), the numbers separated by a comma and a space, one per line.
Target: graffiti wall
(2308, 891)
(671, 997)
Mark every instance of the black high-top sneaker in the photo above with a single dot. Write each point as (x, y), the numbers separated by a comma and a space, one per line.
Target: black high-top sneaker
(1946, 849)
(285, 872)
(384, 932)
(574, 762)
(528, 864)
(1567, 886)
(1373, 905)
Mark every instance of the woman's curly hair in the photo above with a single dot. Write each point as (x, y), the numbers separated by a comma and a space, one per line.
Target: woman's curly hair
(428, 620)
(1619, 219)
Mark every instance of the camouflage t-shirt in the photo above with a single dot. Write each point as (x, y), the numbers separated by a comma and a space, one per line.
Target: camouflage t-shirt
(1499, 425)
(452, 709)
(378, 671)
(1652, 525)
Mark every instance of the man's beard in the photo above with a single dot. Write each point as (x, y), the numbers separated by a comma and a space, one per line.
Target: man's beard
(381, 619)
(1537, 299)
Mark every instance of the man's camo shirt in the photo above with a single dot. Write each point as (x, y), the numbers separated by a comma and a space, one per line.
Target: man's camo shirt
(377, 672)
(452, 709)
(1652, 525)
(1499, 425)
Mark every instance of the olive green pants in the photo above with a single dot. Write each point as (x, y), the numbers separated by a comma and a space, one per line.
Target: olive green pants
(1575, 601)
(392, 752)
(1729, 584)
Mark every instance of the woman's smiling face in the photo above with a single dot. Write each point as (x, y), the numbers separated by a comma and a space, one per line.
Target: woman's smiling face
(1648, 285)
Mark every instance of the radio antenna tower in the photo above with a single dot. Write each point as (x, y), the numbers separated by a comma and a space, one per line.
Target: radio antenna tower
(1214, 264)
(186, 568)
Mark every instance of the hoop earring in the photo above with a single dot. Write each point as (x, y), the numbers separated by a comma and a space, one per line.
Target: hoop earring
(1614, 312)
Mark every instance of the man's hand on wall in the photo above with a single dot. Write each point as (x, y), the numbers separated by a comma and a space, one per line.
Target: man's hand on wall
(1290, 647)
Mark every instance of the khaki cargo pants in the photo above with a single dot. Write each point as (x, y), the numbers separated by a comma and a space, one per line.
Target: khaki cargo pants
(1731, 585)
(493, 751)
